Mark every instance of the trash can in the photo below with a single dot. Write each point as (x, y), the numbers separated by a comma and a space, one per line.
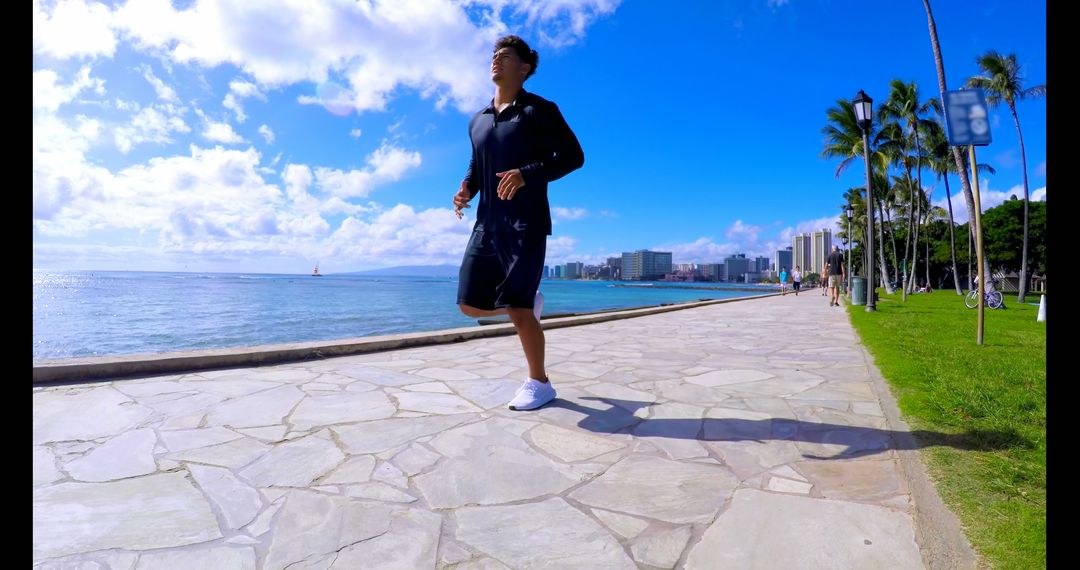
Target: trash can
(858, 290)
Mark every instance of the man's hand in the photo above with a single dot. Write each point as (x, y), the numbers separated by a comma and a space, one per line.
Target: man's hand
(461, 200)
(510, 182)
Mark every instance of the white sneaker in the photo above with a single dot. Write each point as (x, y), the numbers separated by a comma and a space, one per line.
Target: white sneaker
(532, 395)
(538, 305)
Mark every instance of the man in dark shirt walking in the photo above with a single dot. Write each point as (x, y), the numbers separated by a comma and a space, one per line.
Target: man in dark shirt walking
(520, 143)
(834, 264)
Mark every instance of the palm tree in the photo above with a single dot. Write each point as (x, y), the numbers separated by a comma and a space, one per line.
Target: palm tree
(958, 157)
(880, 183)
(941, 163)
(843, 139)
(904, 104)
(1002, 81)
(892, 147)
(854, 196)
(933, 214)
(889, 143)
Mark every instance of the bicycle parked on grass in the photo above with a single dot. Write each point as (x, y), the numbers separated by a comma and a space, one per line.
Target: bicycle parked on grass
(993, 296)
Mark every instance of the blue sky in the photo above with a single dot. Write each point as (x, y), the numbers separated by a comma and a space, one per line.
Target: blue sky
(263, 137)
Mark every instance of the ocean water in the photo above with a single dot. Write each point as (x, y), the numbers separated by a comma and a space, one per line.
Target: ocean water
(103, 313)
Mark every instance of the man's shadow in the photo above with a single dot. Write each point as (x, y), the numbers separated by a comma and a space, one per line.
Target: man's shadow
(857, 441)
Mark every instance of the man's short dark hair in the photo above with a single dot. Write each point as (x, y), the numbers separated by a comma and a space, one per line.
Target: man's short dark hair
(519, 46)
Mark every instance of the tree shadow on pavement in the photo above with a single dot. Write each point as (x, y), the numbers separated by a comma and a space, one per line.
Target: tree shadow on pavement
(853, 441)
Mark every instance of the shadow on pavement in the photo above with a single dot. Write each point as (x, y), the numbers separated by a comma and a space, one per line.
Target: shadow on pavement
(857, 441)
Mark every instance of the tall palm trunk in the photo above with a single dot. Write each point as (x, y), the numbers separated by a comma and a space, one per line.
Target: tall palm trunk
(881, 252)
(915, 240)
(958, 156)
(907, 269)
(1023, 167)
(952, 237)
(919, 193)
(892, 238)
(926, 234)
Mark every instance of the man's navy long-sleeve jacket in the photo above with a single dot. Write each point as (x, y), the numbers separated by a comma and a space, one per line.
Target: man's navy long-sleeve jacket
(532, 136)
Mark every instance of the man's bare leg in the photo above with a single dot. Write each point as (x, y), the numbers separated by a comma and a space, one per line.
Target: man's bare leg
(530, 333)
(474, 312)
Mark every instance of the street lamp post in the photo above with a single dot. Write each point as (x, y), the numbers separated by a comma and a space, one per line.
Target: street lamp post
(864, 114)
(850, 213)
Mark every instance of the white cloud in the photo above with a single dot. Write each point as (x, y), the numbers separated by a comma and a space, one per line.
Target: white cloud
(1039, 195)
(702, 250)
(245, 89)
(73, 28)
(391, 162)
(233, 103)
(126, 105)
(215, 204)
(743, 232)
(164, 91)
(561, 250)
(774, 4)
(152, 124)
(267, 134)
(401, 236)
(386, 164)
(377, 48)
(355, 133)
(212, 195)
(831, 223)
(61, 174)
(221, 132)
(298, 179)
(238, 90)
(608, 214)
(1041, 169)
(50, 95)
(561, 213)
(558, 22)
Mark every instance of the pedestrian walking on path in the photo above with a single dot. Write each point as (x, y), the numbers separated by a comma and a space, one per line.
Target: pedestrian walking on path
(783, 281)
(796, 278)
(834, 265)
(520, 143)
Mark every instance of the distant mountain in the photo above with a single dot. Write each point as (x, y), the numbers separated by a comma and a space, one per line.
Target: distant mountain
(412, 271)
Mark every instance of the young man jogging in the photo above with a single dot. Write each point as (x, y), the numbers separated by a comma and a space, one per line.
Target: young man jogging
(520, 143)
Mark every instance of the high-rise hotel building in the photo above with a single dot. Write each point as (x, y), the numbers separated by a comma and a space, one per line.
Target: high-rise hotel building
(643, 265)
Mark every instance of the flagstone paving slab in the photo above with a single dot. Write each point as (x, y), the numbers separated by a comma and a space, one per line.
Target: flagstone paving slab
(126, 455)
(156, 511)
(814, 533)
(512, 533)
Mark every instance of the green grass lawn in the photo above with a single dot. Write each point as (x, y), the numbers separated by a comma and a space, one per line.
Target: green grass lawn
(979, 412)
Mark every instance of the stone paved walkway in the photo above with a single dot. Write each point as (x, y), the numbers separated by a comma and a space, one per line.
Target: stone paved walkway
(742, 435)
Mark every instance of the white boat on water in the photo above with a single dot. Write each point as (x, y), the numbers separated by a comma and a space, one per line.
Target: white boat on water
(316, 273)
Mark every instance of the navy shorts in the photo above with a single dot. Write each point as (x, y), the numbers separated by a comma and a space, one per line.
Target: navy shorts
(501, 269)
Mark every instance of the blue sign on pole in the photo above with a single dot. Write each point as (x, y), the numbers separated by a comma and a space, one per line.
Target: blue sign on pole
(966, 118)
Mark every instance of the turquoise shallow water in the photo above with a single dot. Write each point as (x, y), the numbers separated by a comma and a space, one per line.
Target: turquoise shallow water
(119, 312)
